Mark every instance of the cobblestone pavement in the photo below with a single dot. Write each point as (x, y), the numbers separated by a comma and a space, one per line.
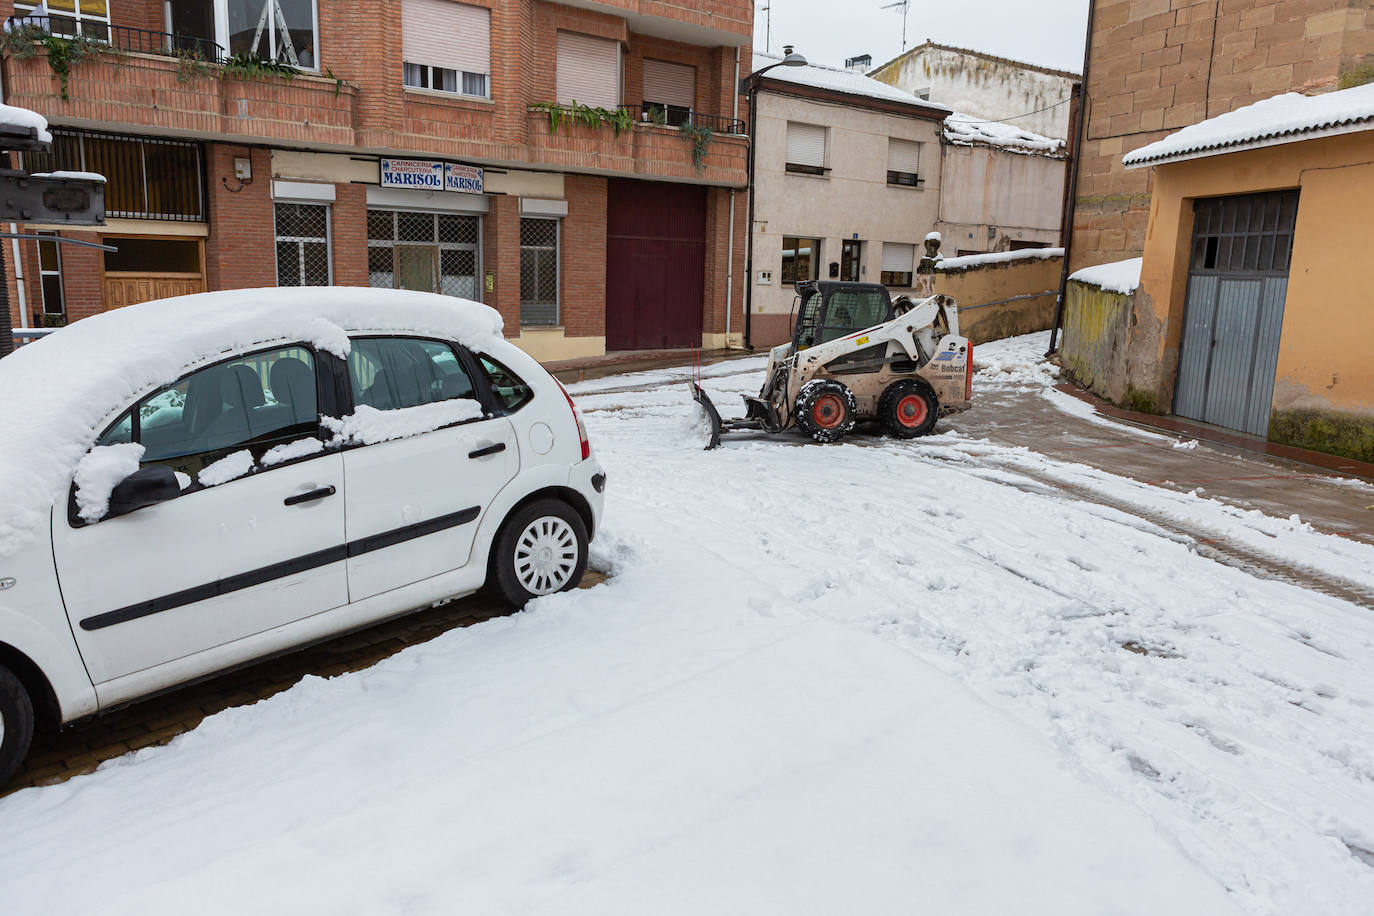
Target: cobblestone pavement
(59, 755)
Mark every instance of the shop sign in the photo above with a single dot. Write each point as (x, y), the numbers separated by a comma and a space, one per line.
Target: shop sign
(425, 175)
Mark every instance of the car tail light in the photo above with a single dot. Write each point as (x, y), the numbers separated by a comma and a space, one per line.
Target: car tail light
(968, 375)
(581, 427)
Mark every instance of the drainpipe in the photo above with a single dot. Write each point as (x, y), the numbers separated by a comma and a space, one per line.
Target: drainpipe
(1071, 190)
(749, 223)
(730, 251)
(19, 278)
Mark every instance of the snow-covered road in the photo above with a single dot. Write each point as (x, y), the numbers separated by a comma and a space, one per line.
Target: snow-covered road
(879, 677)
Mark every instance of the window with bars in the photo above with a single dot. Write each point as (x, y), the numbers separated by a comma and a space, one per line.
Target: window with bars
(90, 18)
(539, 272)
(302, 244)
(430, 252)
(1247, 234)
(145, 177)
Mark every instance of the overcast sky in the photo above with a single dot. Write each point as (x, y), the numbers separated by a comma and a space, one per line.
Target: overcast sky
(1045, 32)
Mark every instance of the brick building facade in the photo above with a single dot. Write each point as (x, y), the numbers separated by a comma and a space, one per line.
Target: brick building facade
(288, 170)
(1158, 65)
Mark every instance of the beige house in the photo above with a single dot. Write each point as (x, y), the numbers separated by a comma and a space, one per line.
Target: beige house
(846, 186)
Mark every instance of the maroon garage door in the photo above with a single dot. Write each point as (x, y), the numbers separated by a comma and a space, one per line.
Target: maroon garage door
(655, 265)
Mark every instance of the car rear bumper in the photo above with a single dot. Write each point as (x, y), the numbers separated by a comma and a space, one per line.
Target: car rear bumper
(589, 479)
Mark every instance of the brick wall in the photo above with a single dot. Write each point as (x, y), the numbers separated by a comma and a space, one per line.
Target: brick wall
(1158, 65)
(583, 293)
(240, 251)
(348, 234)
(501, 254)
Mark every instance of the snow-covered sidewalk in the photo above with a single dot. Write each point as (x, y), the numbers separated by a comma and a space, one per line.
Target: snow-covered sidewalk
(880, 677)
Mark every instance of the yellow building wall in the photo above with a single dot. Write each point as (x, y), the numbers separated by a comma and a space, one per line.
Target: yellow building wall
(1003, 299)
(1324, 382)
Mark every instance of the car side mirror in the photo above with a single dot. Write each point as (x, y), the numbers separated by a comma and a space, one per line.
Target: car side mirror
(145, 487)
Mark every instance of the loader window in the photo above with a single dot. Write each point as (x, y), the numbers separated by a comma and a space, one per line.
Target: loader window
(806, 321)
(848, 312)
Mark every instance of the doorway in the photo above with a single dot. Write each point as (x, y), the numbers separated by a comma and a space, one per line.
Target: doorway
(655, 265)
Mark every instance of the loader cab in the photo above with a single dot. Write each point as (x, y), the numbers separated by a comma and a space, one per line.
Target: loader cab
(831, 309)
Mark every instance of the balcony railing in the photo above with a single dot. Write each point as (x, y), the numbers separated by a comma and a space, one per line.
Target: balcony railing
(126, 38)
(673, 116)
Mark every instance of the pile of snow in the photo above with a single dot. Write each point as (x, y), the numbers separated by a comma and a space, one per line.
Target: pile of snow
(99, 472)
(56, 398)
(230, 467)
(999, 257)
(291, 451)
(15, 120)
(1115, 277)
(836, 79)
(967, 130)
(368, 425)
(1017, 362)
(74, 176)
(1284, 118)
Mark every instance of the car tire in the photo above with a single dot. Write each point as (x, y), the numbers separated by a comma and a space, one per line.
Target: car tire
(908, 409)
(541, 549)
(825, 410)
(16, 724)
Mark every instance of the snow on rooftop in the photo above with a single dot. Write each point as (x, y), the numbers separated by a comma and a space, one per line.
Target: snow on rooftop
(12, 118)
(56, 395)
(999, 257)
(838, 80)
(1284, 118)
(965, 130)
(1116, 277)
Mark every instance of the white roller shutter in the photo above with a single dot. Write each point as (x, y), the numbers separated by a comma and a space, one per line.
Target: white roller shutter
(899, 256)
(903, 156)
(442, 33)
(805, 144)
(670, 84)
(588, 71)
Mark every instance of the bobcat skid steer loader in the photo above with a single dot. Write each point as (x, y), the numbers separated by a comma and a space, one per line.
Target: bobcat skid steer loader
(856, 355)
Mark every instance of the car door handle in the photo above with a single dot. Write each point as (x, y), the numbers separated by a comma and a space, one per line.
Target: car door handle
(309, 496)
(486, 450)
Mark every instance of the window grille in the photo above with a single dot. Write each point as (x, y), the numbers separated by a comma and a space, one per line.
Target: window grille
(1247, 234)
(302, 245)
(145, 177)
(431, 252)
(539, 272)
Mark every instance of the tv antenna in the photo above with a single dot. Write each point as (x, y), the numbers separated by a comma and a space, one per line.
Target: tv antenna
(904, 6)
(768, 26)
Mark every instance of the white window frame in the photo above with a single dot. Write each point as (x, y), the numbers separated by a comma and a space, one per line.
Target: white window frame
(50, 238)
(300, 240)
(431, 73)
(439, 246)
(270, 32)
(25, 9)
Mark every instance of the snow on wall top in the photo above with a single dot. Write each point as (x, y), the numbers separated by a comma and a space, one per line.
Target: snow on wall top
(12, 116)
(57, 393)
(1284, 118)
(837, 80)
(1116, 277)
(965, 130)
(999, 257)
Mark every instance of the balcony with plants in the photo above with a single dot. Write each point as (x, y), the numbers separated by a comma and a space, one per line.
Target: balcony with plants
(112, 73)
(650, 141)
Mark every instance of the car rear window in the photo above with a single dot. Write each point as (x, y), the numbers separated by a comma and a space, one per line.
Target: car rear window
(509, 388)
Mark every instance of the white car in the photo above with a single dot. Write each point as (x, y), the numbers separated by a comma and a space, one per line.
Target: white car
(191, 484)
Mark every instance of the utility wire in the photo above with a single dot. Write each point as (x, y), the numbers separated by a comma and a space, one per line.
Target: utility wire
(1014, 117)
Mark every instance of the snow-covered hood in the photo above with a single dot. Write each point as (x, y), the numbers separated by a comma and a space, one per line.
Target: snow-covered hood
(56, 393)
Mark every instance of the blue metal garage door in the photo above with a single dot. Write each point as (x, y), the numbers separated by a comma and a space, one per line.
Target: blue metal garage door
(1237, 283)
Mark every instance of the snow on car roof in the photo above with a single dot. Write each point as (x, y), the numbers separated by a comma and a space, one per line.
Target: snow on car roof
(965, 130)
(837, 80)
(1284, 118)
(56, 393)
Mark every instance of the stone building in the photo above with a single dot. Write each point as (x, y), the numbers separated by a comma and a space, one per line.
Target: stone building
(1030, 97)
(423, 144)
(1159, 65)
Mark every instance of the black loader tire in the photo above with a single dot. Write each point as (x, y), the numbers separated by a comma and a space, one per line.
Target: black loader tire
(825, 410)
(16, 724)
(908, 409)
(503, 581)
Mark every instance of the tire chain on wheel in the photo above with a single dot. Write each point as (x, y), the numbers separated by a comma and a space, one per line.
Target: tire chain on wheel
(812, 392)
(887, 408)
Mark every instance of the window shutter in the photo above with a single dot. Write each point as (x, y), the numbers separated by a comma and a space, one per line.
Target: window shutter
(903, 156)
(805, 144)
(442, 33)
(588, 71)
(899, 256)
(670, 84)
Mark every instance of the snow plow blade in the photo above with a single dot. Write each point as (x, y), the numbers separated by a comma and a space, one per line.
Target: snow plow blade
(712, 415)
